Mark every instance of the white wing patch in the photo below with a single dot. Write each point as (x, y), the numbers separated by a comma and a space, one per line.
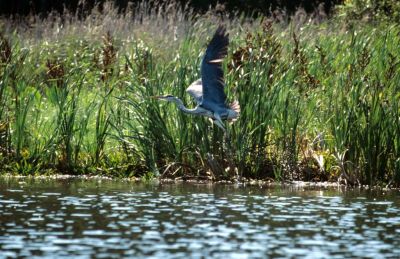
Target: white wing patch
(196, 90)
(215, 61)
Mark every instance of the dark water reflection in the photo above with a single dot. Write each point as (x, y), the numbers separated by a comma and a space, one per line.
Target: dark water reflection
(105, 219)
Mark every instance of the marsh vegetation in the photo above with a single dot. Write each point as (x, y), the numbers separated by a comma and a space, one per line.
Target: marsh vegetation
(319, 100)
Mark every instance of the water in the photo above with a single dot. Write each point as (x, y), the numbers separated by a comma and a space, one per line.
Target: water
(108, 219)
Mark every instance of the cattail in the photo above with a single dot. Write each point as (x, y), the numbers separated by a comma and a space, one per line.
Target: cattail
(55, 72)
(5, 50)
(109, 56)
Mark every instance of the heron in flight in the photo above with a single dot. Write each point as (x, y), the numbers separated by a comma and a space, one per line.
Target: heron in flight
(208, 92)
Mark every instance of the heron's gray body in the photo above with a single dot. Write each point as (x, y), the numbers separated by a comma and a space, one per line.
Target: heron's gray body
(208, 108)
(208, 91)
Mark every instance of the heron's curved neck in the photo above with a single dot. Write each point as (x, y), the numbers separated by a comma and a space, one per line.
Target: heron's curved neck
(182, 107)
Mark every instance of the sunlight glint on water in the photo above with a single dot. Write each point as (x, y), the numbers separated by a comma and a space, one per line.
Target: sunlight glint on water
(50, 218)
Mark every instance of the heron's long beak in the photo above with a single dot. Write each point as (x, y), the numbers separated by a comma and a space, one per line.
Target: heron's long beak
(159, 97)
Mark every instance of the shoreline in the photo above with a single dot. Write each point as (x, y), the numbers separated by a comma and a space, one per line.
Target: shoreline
(244, 183)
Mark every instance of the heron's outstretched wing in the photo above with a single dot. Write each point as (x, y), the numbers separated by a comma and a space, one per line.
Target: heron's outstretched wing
(212, 75)
(196, 91)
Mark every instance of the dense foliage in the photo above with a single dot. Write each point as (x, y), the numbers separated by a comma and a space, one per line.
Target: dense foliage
(319, 102)
(370, 10)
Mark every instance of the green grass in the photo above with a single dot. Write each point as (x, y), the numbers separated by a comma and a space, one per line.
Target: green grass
(319, 102)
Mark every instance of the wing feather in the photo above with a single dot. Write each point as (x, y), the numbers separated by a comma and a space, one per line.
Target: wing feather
(195, 90)
(212, 74)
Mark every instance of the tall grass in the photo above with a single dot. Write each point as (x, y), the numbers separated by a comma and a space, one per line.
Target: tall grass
(319, 102)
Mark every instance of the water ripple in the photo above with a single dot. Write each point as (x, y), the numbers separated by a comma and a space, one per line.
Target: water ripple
(81, 220)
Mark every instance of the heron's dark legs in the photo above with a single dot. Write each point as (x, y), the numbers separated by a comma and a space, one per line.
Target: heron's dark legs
(218, 122)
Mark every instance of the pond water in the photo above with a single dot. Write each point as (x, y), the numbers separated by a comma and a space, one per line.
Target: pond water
(113, 218)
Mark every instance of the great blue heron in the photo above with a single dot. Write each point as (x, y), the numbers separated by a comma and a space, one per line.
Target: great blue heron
(208, 91)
